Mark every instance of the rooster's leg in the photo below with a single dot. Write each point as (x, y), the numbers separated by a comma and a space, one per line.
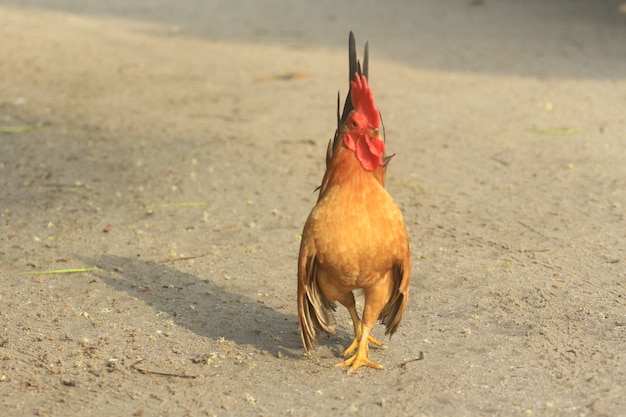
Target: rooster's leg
(376, 298)
(360, 358)
(358, 332)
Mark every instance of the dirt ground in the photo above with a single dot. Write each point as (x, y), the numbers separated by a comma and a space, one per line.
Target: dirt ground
(172, 151)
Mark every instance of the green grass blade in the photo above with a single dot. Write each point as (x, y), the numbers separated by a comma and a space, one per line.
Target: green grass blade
(19, 129)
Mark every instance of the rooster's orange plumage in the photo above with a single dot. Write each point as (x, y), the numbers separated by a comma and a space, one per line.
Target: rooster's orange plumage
(355, 237)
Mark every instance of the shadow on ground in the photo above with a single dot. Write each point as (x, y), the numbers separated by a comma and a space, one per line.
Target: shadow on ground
(217, 313)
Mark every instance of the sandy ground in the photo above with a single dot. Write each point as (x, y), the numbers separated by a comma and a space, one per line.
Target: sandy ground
(172, 155)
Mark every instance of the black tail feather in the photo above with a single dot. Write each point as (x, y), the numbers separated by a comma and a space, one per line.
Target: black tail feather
(354, 66)
(366, 53)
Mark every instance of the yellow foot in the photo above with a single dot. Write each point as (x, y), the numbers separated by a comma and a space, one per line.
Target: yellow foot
(356, 361)
(355, 343)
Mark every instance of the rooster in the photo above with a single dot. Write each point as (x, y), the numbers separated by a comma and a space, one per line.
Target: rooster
(355, 237)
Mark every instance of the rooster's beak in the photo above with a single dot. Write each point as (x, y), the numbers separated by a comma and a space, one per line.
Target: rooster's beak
(374, 133)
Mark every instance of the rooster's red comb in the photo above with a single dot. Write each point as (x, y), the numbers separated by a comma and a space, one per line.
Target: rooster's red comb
(363, 100)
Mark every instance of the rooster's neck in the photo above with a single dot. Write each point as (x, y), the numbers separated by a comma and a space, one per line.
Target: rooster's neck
(345, 170)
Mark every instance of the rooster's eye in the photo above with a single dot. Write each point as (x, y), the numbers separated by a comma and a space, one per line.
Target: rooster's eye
(353, 124)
